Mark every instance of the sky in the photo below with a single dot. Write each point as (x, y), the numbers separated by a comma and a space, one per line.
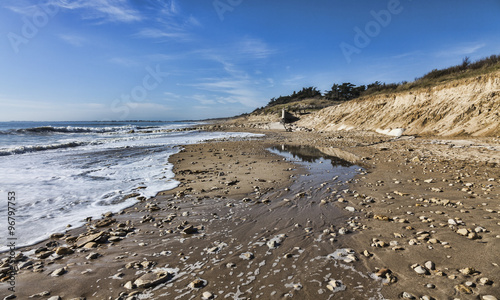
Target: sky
(68, 60)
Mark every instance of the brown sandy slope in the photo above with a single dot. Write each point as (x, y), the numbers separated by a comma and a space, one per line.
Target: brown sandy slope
(464, 107)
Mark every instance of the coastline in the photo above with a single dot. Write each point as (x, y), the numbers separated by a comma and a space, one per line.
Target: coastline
(393, 191)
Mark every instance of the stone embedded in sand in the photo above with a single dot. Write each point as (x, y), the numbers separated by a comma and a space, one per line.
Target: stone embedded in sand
(406, 295)
(207, 296)
(485, 281)
(151, 279)
(82, 240)
(190, 229)
(383, 272)
(335, 286)
(489, 297)
(129, 285)
(57, 235)
(93, 255)
(343, 231)
(55, 298)
(247, 256)
(196, 284)
(350, 208)
(430, 265)
(58, 272)
(468, 271)
(42, 294)
(463, 289)
(381, 218)
(463, 231)
(104, 222)
(421, 270)
(64, 251)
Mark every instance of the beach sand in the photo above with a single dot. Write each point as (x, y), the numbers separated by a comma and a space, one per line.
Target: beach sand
(419, 218)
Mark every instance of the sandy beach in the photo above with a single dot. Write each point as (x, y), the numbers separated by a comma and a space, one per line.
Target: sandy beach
(411, 218)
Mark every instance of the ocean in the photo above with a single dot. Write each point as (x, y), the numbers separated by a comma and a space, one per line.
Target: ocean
(64, 172)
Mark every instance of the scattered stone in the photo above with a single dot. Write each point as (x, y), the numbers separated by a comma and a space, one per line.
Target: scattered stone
(190, 229)
(430, 265)
(129, 285)
(421, 270)
(42, 294)
(407, 295)
(343, 231)
(247, 256)
(83, 240)
(467, 271)
(463, 231)
(58, 272)
(335, 286)
(350, 208)
(104, 222)
(151, 279)
(207, 296)
(197, 284)
(463, 289)
(489, 297)
(57, 235)
(485, 281)
(64, 251)
(93, 255)
(55, 298)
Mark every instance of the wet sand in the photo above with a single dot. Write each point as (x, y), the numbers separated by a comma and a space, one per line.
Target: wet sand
(245, 223)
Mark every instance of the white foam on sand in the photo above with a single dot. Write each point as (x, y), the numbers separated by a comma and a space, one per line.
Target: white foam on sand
(60, 187)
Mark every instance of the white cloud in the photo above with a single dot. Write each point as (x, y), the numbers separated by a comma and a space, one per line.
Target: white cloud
(461, 50)
(155, 33)
(107, 10)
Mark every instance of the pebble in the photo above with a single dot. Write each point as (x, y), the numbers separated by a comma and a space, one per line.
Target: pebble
(489, 297)
(196, 284)
(93, 255)
(58, 272)
(407, 295)
(430, 265)
(55, 298)
(343, 231)
(421, 270)
(247, 256)
(350, 208)
(467, 271)
(463, 231)
(485, 281)
(207, 296)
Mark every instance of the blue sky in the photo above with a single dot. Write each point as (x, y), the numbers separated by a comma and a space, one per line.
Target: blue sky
(174, 60)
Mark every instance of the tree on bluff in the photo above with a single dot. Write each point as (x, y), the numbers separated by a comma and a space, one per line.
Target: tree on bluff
(305, 93)
(344, 92)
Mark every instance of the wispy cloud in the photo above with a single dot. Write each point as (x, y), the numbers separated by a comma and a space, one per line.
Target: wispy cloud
(461, 50)
(105, 10)
(156, 33)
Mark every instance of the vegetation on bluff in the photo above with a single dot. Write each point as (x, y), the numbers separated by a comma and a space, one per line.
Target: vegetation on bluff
(310, 98)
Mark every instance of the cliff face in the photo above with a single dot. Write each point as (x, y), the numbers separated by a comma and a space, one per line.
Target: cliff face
(464, 107)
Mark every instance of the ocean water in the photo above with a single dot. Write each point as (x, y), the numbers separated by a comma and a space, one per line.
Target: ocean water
(64, 172)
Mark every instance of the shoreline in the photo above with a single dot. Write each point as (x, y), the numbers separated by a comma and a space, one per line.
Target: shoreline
(373, 202)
